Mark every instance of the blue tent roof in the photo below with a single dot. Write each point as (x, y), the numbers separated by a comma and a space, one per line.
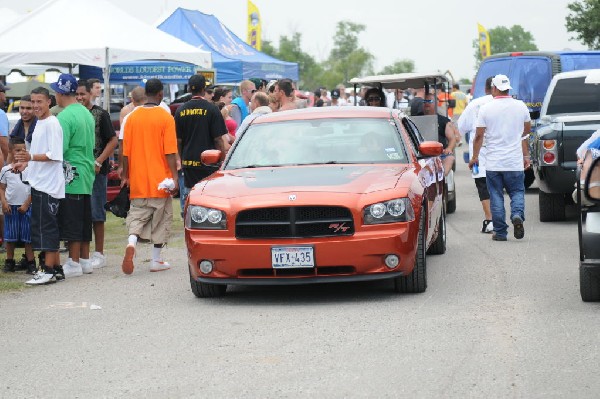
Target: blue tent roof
(233, 59)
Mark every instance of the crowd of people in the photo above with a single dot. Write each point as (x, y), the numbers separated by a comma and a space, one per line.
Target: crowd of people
(57, 160)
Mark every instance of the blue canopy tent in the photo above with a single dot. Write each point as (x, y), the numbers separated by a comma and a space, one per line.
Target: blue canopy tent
(233, 59)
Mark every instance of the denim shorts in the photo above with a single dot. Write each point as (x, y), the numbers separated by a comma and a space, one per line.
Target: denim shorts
(44, 221)
(99, 198)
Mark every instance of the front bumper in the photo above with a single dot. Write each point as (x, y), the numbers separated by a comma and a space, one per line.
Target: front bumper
(352, 258)
(555, 179)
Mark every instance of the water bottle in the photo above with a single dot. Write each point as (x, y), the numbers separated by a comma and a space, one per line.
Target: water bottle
(475, 168)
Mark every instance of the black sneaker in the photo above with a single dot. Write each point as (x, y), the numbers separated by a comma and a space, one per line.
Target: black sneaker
(31, 267)
(9, 266)
(58, 271)
(487, 227)
(497, 238)
(42, 258)
(23, 264)
(518, 227)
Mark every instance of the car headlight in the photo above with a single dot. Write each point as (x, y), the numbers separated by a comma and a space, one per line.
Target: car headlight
(200, 217)
(396, 210)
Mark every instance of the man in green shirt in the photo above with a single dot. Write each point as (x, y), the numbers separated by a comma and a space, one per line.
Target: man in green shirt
(75, 217)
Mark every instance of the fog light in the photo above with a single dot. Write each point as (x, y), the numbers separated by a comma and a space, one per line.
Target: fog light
(392, 261)
(206, 266)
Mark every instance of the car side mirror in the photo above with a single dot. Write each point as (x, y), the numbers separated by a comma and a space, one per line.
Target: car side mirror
(431, 148)
(210, 157)
(591, 187)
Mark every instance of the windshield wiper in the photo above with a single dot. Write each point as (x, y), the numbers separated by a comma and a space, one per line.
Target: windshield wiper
(252, 166)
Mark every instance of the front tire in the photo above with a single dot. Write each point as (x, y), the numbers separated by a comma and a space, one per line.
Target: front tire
(416, 282)
(589, 285)
(438, 247)
(203, 290)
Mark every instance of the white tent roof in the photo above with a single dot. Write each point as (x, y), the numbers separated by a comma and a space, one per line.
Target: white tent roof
(48, 36)
(8, 15)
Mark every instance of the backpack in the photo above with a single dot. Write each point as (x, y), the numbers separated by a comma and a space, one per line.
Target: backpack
(119, 206)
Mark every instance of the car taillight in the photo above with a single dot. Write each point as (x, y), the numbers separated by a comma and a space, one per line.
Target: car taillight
(549, 157)
(549, 144)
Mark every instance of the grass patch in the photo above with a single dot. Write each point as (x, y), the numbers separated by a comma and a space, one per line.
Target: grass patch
(11, 281)
(115, 240)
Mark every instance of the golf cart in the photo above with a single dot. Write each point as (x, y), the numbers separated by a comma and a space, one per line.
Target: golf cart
(426, 125)
(588, 200)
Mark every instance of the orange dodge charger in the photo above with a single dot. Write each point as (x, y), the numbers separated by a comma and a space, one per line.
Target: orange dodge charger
(318, 195)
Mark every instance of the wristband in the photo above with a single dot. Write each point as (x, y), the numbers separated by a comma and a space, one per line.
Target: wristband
(31, 157)
(98, 164)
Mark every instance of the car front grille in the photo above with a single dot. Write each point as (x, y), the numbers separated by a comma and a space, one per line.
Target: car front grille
(294, 222)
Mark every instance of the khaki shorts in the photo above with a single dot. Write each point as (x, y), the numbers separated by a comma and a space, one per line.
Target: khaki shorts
(151, 219)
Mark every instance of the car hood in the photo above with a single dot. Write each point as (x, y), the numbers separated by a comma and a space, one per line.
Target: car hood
(354, 179)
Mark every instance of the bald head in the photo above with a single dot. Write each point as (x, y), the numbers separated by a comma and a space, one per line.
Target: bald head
(138, 96)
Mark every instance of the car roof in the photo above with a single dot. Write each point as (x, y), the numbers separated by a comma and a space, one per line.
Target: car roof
(593, 75)
(324, 113)
(402, 80)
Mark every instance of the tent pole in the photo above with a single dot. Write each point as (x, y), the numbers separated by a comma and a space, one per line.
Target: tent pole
(106, 77)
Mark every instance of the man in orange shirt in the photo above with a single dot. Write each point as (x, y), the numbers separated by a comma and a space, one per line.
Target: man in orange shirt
(149, 157)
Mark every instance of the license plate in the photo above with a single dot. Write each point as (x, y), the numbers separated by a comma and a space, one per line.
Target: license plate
(292, 257)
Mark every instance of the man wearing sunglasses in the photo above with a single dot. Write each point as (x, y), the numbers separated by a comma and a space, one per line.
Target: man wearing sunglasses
(240, 111)
(374, 98)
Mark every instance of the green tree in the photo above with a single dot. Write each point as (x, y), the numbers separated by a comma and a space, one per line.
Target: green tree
(503, 39)
(268, 48)
(347, 59)
(400, 66)
(584, 20)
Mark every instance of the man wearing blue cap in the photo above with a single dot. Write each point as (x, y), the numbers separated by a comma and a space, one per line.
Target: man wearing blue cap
(75, 212)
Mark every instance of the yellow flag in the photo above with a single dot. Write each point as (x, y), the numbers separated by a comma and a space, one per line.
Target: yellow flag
(484, 41)
(254, 26)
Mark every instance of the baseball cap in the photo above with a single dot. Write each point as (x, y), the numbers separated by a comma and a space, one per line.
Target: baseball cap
(335, 93)
(66, 84)
(3, 88)
(501, 82)
(197, 82)
(257, 82)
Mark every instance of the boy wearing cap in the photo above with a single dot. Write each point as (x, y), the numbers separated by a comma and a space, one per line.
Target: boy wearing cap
(75, 212)
(505, 123)
(42, 168)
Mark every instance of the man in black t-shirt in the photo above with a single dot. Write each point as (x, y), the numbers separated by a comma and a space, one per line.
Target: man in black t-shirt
(106, 142)
(200, 126)
(446, 133)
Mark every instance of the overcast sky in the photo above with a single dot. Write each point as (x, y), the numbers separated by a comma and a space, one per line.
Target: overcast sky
(436, 35)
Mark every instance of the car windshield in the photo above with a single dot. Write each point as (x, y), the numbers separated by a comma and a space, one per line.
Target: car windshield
(574, 96)
(319, 141)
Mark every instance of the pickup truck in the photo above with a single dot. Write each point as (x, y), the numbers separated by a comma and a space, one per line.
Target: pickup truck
(569, 115)
(530, 73)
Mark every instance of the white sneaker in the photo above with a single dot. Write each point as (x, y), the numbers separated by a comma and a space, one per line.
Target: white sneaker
(41, 278)
(98, 260)
(159, 266)
(72, 269)
(86, 266)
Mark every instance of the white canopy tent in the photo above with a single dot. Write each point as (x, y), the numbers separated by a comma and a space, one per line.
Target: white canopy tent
(48, 35)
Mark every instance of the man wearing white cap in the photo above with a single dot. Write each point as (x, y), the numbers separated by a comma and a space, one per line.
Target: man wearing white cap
(504, 123)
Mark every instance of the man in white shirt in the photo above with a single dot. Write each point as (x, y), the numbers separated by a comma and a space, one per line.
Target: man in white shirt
(43, 169)
(467, 125)
(505, 123)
